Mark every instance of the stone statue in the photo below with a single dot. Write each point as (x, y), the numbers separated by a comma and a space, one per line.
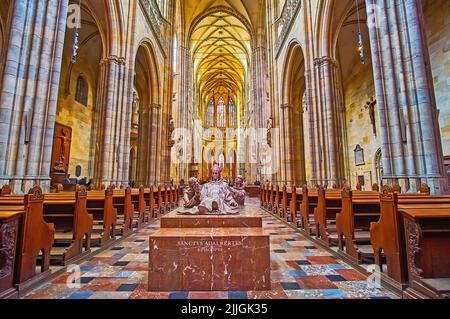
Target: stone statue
(192, 193)
(370, 105)
(170, 132)
(238, 191)
(269, 131)
(60, 164)
(135, 115)
(216, 198)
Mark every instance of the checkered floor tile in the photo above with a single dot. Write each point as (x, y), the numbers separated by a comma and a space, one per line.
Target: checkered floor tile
(300, 270)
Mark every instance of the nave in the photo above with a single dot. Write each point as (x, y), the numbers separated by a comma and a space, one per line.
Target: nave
(110, 109)
(300, 269)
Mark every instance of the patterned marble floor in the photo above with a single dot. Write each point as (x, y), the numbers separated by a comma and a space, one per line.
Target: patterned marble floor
(300, 270)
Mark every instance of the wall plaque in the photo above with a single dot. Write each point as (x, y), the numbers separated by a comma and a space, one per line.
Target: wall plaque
(359, 156)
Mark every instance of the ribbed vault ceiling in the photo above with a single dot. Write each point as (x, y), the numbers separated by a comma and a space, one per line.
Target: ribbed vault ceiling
(221, 49)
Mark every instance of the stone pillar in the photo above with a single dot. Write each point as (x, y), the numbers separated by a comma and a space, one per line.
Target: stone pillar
(29, 92)
(144, 143)
(412, 151)
(111, 134)
(155, 144)
(326, 128)
(310, 125)
(286, 150)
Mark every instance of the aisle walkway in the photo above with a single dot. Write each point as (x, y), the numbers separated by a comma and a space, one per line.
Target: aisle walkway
(300, 269)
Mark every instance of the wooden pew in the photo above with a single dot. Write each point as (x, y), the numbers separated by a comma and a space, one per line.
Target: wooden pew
(329, 204)
(100, 205)
(427, 241)
(165, 204)
(275, 209)
(73, 225)
(6, 190)
(359, 209)
(295, 202)
(36, 236)
(264, 194)
(150, 201)
(267, 199)
(283, 209)
(261, 195)
(139, 206)
(125, 210)
(309, 204)
(387, 233)
(9, 229)
(160, 201)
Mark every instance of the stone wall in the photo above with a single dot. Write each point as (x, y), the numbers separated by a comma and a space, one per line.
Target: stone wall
(79, 118)
(71, 113)
(358, 89)
(437, 18)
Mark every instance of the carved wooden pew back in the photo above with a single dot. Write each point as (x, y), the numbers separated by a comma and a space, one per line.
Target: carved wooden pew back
(387, 233)
(329, 204)
(309, 204)
(427, 241)
(100, 205)
(36, 236)
(73, 225)
(139, 206)
(125, 211)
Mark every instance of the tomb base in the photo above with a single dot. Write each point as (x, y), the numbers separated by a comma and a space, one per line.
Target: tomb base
(175, 220)
(213, 259)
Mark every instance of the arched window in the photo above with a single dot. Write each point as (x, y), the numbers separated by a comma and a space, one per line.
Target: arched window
(222, 160)
(81, 95)
(221, 113)
(232, 116)
(210, 113)
(175, 54)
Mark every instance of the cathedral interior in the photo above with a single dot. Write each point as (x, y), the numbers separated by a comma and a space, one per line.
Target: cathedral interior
(336, 114)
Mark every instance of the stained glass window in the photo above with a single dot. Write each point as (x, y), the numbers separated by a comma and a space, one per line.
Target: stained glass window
(221, 113)
(210, 113)
(232, 113)
(81, 95)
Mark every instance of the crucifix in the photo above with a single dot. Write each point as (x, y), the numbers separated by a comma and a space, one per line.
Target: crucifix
(370, 105)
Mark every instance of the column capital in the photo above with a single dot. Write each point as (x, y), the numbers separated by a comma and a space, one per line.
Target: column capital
(324, 60)
(113, 59)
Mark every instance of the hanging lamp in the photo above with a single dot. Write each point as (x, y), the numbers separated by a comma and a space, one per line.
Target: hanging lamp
(76, 39)
(362, 57)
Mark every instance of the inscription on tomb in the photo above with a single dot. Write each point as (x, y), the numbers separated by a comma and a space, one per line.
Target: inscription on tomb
(210, 245)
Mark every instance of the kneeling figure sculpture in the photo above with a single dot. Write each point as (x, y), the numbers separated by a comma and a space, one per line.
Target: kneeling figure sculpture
(214, 198)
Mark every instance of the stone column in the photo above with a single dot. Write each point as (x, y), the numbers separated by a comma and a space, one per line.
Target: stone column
(412, 150)
(155, 147)
(144, 141)
(326, 128)
(29, 92)
(286, 150)
(109, 130)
